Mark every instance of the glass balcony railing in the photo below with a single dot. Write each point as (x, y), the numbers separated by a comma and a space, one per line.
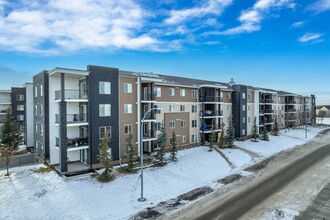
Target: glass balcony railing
(72, 118)
(73, 142)
(71, 94)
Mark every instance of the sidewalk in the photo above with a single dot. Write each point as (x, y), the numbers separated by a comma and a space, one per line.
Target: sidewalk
(320, 208)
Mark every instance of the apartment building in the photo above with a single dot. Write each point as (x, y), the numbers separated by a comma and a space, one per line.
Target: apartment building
(20, 101)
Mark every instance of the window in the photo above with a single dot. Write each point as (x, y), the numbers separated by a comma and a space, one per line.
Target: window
(249, 120)
(221, 94)
(193, 138)
(171, 108)
(228, 95)
(36, 127)
(249, 108)
(182, 108)
(158, 126)
(41, 129)
(171, 92)
(194, 108)
(105, 87)
(105, 130)
(227, 107)
(194, 94)
(127, 108)
(20, 97)
(20, 117)
(22, 128)
(36, 91)
(172, 124)
(243, 131)
(194, 123)
(128, 129)
(158, 92)
(41, 90)
(243, 107)
(183, 139)
(183, 123)
(104, 110)
(127, 87)
(36, 109)
(243, 95)
(249, 97)
(41, 109)
(243, 119)
(182, 92)
(20, 107)
(157, 109)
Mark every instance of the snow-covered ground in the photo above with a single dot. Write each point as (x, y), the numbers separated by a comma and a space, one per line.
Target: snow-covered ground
(325, 121)
(48, 196)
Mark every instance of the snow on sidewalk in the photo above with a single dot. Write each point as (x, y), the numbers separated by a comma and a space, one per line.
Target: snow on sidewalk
(30, 195)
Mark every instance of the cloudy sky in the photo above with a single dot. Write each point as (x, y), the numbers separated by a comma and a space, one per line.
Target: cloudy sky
(280, 44)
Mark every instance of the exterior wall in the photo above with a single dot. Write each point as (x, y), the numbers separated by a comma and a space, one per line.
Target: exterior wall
(227, 107)
(41, 142)
(131, 118)
(96, 75)
(29, 115)
(240, 96)
(15, 92)
(5, 103)
(179, 131)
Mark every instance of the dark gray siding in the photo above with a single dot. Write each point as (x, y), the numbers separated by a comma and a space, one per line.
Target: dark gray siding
(238, 112)
(15, 92)
(41, 79)
(96, 75)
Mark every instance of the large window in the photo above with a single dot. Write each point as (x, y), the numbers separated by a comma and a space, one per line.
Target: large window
(194, 108)
(171, 92)
(158, 92)
(104, 110)
(105, 87)
(194, 123)
(128, 129)
(127, 87)
(182, 92)
(127, 108)
(172, 124)
(171, 108)
(182, 108)
(20, 107)
(20, 117)
(20, 97)
(183, 123)
(105, 130)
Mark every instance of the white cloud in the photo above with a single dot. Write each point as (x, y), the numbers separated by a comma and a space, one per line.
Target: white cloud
(251, 18)
(311, 38)
(214, 7)
(319, 6)
(60, 25)
(298, 24)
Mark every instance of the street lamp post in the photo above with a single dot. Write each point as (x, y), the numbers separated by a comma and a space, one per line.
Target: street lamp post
(142, 199)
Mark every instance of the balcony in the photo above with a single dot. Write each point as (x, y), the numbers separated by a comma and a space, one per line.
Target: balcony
(209, 113)
(73, 119)
(147, 135)
(211, 99)
(292, 102)
(266, 101)
(268, 111)
(71, 95)
(291, 110)
(267, 121)
(5, 100)
(208, 128)
(146, 97)
(76, 143)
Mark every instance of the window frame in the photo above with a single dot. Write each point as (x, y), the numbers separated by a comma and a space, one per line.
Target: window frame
(105, 105)
(103, 89)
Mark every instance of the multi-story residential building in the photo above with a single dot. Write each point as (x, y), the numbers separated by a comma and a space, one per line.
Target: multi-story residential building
(73, 109)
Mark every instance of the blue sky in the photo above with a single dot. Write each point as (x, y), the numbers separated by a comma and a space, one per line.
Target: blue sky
(280, 44)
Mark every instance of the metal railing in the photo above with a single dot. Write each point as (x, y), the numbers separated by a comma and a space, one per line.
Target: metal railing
(148, 97)
(71, 94)
(73, 142)
(211, 99)
(211, 113)
(266, 101)
(72, 118)
(291, 102)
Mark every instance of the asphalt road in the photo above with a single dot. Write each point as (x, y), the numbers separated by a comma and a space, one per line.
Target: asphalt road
(241, 202)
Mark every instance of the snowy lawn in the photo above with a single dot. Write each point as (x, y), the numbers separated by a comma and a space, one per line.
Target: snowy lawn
(30, 195)
(286, 140)
(325, 121)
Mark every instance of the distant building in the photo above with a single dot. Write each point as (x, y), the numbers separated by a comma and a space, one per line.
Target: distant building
(323, 110)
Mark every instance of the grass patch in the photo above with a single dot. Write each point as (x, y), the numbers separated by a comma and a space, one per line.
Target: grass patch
(43, 170)
(25, 151)
(124, 170)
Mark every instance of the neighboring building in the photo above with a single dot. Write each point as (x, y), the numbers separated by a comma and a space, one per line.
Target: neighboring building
(323, 110)
(5, 103)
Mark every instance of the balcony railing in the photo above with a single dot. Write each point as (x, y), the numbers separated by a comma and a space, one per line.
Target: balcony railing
(269, 121)
(209, 113)
(291, 102)
(72, 118)
(209, 128)
(73, 142)
(5, 100)
(71, 94)
(148, 97)
(211, 99)
(266, 111)
(149, 134)
(291, 110)
(266, 101)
